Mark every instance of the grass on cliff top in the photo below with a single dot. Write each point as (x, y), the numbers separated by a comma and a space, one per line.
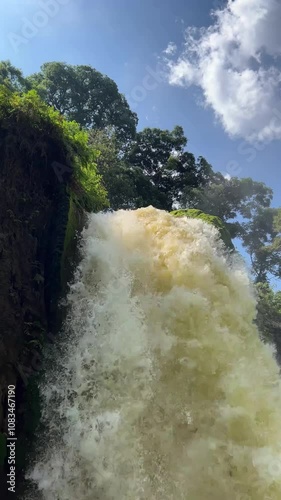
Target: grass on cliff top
(210, 219)
(30, 125)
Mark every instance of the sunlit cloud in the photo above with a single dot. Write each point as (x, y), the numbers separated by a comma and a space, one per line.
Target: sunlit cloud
(236, 63)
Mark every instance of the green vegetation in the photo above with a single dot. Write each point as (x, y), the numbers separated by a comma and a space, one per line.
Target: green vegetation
(32, 125)
(13, 78)
(269, 315)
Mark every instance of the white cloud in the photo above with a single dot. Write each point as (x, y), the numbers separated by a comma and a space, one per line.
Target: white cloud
(171, 49)
(237, 64)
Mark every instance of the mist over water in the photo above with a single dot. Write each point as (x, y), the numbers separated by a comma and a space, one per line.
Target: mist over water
(161, 388)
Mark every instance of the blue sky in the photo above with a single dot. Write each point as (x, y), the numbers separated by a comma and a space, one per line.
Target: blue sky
(121, 39)
(126, 40)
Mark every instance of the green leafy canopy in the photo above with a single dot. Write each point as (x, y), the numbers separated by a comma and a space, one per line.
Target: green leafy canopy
(27, 119)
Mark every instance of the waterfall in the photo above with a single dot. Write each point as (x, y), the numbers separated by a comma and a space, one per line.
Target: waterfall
(161, 388)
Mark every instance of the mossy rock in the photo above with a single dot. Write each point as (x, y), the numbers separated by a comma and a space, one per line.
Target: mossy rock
(193, 213)
(48, 178)
(29, 125)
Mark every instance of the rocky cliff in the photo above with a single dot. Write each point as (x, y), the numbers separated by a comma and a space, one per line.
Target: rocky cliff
(41, 207)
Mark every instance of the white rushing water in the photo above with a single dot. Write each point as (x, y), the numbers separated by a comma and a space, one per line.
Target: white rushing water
(161, 388)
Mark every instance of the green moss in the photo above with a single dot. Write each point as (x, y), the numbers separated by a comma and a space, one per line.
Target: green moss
(3, 449)
(210, 219)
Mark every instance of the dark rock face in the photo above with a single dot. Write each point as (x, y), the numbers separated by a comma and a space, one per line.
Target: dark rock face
(34, 208)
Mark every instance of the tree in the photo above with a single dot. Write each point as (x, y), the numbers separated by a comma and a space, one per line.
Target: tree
(128, 187)
(258, 237)
(268, 318)
(13, 78)
(83, 94)
(274, 250)
(161, 157)
(263, 242)
(112, 169)
(229, 199)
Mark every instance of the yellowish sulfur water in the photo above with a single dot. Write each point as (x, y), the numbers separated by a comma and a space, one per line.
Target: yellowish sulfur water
(161, 388)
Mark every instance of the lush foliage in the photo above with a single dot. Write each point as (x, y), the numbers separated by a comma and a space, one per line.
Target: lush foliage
(269, 314)
(229, 198)
(161, 157)
(127, 186)
(31, 124)
(83, 94)
(13, 78)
